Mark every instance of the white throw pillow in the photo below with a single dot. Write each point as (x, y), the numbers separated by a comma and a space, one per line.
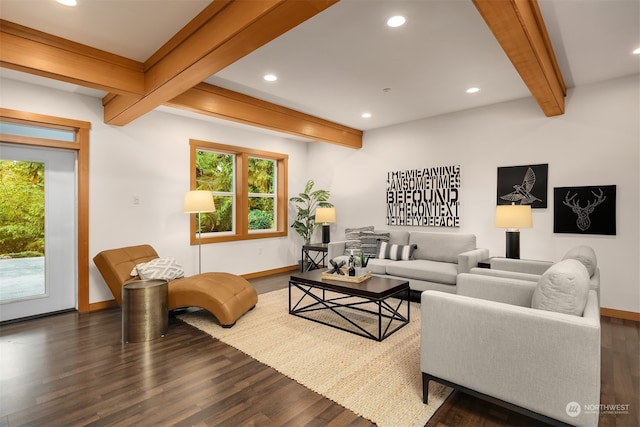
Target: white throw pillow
(159, 268)
(586, 255)
(563, 288)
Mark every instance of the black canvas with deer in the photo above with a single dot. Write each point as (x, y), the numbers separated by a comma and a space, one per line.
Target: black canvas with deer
(523, 185)
(585, 210)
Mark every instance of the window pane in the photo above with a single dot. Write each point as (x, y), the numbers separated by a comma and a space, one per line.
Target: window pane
(221, 220)
(214, 171)
(37, 132)
(261, 176)
(261, 213)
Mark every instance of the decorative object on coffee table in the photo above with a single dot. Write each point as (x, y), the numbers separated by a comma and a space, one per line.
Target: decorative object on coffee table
(342, 276)
(337, 267)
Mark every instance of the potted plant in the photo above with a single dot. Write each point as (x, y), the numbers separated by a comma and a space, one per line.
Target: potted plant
(306, 204)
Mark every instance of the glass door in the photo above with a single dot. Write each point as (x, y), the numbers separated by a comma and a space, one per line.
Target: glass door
(38, 237)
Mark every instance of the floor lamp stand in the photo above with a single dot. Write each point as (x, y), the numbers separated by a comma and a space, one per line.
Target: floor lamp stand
(199, 246)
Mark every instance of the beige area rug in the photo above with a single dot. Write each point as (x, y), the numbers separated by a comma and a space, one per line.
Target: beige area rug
(380, 381)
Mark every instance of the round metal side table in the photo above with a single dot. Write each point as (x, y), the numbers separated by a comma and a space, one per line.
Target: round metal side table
(144, 310)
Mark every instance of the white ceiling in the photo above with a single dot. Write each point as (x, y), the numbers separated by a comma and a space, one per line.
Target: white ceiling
(346, 61)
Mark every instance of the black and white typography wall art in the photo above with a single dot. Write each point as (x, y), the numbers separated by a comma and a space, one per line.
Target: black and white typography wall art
(424, 197)
(585, 210)
(523, 185)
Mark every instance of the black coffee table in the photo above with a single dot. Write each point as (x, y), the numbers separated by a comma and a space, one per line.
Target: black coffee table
(376, 302)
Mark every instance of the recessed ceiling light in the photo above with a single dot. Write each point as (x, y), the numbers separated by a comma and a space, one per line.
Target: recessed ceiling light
(366, 115)
(473, 90)
(68, 2)
(270, 77)
(396, 21)
(637, 51)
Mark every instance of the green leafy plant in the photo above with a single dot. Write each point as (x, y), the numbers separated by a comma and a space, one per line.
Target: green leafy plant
(363, 259)
(306, 204)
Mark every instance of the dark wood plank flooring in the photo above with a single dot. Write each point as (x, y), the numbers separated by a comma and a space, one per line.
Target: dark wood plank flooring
(73, 370)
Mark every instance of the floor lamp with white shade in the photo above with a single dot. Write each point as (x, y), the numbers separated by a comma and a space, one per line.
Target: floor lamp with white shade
(198, 202)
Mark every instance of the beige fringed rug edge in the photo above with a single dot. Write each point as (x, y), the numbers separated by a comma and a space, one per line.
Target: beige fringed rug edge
(380, 381)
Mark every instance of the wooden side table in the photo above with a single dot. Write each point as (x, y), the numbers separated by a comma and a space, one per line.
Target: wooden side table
(485, 263)
(144, 310)
(316, 260)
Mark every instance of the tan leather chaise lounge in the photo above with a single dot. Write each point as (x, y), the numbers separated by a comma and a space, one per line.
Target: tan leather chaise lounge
(224, 295)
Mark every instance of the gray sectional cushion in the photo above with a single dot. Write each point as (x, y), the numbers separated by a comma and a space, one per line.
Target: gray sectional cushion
(369, 241)
(378, 266)
(421, 269)
(443, 247)
(399, 237)
(563, 288)
(586, 255)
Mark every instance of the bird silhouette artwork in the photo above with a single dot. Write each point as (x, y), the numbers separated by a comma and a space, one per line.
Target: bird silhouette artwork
(522, 192)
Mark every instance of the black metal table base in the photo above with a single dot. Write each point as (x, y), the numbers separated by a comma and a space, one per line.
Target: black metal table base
(388, 309)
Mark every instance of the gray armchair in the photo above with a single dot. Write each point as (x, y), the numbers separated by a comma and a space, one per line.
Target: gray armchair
(531, 270)
(489, 342)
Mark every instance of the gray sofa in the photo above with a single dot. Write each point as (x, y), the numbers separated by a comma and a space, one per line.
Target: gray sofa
(438, 258)
(492, 341)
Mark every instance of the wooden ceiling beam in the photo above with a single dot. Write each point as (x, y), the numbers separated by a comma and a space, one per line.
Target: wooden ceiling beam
(34, 52)
(221, 103)
(230, 30)
(519, 28)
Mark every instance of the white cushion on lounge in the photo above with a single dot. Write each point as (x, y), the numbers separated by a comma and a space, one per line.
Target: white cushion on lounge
(563, 288)
(159, 268)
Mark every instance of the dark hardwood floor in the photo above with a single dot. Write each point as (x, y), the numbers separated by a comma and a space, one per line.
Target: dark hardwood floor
(73, 370)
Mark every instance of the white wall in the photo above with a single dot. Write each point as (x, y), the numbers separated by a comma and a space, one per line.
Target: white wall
(149, 158)
(594, 143)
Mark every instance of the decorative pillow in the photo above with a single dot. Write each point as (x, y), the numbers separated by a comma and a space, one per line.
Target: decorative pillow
(563, 288)
(586, 255)
(369, 241)
(159, 268)
(395, 252)
(352, 237)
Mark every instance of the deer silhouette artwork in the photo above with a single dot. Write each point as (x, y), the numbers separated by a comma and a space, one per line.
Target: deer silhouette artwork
(584, 222)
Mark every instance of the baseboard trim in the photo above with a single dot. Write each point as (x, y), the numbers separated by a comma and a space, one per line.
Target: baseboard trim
(620, 314)
(102, 305)
(270, 272)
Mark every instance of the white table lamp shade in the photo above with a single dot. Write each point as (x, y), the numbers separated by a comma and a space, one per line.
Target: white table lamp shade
(513, 216)
(325, 215)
